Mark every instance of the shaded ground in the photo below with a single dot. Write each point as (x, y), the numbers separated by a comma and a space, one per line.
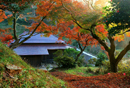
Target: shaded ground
(114, 80)
(50, 67)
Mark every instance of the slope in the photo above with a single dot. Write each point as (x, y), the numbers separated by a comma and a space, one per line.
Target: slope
(28, 77)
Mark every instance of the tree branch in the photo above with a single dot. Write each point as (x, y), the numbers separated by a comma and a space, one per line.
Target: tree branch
(74, 19)
(100, 41)
(14, 27)
(36, 26)
(112, 47)
(93, 25)
(81, 50)
(123, 52)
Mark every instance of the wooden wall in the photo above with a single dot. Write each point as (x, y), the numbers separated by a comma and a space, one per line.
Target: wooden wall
(33, 60)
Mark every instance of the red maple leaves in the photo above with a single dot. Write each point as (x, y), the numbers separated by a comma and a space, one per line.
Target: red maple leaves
(113, 80)
(5, 36)
(74, 34)
(101, 31)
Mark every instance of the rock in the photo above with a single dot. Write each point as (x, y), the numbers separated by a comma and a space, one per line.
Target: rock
(13, 69)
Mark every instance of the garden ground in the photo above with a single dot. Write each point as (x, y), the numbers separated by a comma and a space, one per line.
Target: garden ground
(110, 80)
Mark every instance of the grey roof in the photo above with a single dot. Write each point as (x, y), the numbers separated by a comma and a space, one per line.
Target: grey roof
(38, 39)
(38, 49)
(87, 54)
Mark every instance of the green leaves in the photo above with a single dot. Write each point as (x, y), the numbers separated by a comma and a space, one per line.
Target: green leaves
(10, 20)
(119, 13)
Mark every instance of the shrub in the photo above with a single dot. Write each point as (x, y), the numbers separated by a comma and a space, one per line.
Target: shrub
(101, 70)
(92, 61)
(88, 65)
(106, 64)
(124, 66)
(89, 70)
(81, 61)
(101, 57)
(69, 55)
(71, 52)
(64, 61)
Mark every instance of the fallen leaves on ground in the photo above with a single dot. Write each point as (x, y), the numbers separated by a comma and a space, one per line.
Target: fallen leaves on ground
(113, 80)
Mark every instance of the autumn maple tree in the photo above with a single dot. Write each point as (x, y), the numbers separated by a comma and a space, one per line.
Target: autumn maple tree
(44, 9)
(106, 26)
(71, 34)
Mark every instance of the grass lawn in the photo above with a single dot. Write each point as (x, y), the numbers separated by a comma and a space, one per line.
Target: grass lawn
(80, 71)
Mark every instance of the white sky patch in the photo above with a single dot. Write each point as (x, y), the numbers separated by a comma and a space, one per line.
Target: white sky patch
(91, 3)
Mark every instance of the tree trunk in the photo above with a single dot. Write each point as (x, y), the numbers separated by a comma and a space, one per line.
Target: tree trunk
(77, 57)
(113, 67)
(14, 45)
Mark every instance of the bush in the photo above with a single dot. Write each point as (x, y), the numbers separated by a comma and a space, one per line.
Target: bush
(124, 66)
(92, 61)
(62, 58)
(101, 57)
(71, 52)
(65, 61)
(89, 70)
(101, 70)
(88, 65)
(81, 61)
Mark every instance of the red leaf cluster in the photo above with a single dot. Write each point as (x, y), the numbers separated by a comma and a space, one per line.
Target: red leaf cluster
(5, 36)
(75, 34)
(114, 80)
(101, 31)
(2, 15)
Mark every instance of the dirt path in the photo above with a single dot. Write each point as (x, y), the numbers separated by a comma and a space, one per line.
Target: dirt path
(114, 80)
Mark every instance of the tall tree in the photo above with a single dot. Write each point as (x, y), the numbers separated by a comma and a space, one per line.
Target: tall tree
(110, 27)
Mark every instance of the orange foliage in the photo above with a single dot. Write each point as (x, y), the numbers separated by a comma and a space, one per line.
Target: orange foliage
(2, 15)
(5, 36)
(44, 7)
(128, 34)
(101, 31)
(119, 38)
(74, 34)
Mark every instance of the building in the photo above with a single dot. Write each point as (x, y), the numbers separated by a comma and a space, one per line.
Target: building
(39, 49)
